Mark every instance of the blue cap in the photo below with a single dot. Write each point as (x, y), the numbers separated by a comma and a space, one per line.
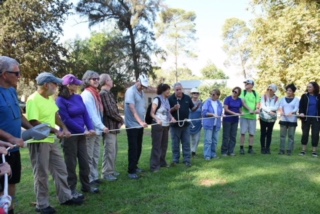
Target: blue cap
(46, 77)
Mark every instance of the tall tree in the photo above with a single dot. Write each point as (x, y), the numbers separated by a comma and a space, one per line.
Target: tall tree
(178, 27)
(235, 35)
(30, 33)
(210, 71)
(103, 52)
(286, 43)
(135, 19)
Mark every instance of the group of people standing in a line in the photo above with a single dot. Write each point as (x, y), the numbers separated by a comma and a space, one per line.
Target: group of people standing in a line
(87, 119)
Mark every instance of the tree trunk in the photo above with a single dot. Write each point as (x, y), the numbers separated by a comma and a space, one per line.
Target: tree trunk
(134, 52)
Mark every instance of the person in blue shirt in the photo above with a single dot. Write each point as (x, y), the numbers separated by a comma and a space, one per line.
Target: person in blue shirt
(308, 110)
(11, 119)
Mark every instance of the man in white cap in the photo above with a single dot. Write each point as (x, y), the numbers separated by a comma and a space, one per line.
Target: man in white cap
(248, 122)
(135, 110)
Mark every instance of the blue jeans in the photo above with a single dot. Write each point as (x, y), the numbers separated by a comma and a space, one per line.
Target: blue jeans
(180, 134)
(211, 142)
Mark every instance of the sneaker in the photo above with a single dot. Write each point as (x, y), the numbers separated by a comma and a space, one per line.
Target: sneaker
(165, 166)
(251, 151)
(110, 178)
(47, 210)
(73, 201)
(76, 194)
(133, 176)
(173, 164)
(155, 170)
(314, 154)
(116, 174)
(138, 170)
(268, 152)
(289, 152)
(207, 158)
(224, 155)
(96, 182)
(193, 154)
(232, 154)
(188, 164)
(281, 152)
(94, 190)
(242, 152)
(263, 150)
(302, 153)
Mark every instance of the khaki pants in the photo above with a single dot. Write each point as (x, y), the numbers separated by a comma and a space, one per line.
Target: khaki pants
(110, 154)
(93, 149)
(45, 158)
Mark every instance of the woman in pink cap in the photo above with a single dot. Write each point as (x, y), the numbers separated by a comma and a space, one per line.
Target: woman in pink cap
(75, 116)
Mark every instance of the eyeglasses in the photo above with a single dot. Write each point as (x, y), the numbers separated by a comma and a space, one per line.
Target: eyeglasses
(95, 79)
(235, 92)
(195, 93)
(17, 73)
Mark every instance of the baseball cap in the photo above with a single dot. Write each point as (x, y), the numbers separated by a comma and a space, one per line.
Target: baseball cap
(70, 79)
(144, 80)
(273, 87)
(249, 82)
(194, 90)
(46, 77)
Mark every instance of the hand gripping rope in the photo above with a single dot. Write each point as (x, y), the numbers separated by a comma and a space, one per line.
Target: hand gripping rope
(38, 132)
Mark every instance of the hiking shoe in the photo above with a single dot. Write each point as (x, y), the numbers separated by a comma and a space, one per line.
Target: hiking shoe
(73, 201)
(133, 176)
(110, 178)
(314, 154)
(289, 152)
(76, 194)
(116, 174)
(251, 151)
(281, 152)
(47, 210)
(242, 152)
(302, 153)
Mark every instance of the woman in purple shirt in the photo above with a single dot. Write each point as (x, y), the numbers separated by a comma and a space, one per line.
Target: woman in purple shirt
(74, 115)
(232, 108)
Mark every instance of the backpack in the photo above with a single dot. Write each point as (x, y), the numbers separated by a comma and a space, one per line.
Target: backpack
(253, 91)
(148, 118)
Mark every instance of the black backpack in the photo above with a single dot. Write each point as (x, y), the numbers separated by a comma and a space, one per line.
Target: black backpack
(148, 117)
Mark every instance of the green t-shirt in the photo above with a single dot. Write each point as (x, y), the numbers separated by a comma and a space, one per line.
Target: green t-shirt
(252, 102)
(44, 110)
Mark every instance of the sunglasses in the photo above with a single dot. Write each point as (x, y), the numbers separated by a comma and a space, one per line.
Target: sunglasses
(235, 92)
(215, 94)
(95, 79)
(195, 93)
(17, 73)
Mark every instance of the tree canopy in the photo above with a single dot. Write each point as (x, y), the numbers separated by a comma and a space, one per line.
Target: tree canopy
(135, 20)
(212, 72)
(178, 28)
(286, 43)
(30, 33)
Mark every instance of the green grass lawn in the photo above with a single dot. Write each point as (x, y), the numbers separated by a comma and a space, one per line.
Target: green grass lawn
(241, 184)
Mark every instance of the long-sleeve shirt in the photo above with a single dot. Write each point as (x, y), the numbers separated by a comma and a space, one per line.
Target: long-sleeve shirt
(269, 105)
(289, 106)
(111, 117)
(93, 111)
(74, 114)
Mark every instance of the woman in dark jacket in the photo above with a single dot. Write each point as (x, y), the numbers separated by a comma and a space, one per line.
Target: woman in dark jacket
(308, 110)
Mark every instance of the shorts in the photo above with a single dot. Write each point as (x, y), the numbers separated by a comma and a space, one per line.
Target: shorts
(248, 126)
(14, 160)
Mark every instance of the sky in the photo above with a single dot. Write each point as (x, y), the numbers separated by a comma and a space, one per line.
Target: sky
(211, 15)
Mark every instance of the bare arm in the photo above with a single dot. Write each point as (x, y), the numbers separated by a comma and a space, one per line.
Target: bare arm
(25, 123)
